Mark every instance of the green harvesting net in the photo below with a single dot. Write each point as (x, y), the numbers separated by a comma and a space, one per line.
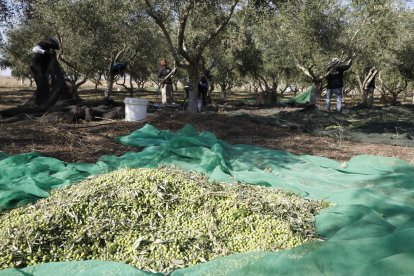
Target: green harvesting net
(368, 231)
(301, 99)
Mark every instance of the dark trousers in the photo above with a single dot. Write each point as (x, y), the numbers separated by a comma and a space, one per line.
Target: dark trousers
(41, 77)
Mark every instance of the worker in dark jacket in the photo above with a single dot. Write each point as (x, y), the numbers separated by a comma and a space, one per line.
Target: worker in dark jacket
(335, 81)
(118, 68)
(202, 93)
(43, 53)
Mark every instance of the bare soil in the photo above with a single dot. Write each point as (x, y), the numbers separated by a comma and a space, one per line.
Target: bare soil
(87, 141)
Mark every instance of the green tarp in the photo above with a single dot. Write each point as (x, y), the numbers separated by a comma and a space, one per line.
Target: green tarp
(301, 99)
(368, 232)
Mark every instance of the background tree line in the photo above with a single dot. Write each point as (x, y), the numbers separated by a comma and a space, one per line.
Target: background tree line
(263, 44)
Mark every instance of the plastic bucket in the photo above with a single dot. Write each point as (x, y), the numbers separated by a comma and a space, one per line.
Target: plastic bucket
(135, 109)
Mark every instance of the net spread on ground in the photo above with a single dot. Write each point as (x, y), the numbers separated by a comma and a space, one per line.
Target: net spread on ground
(367, 231)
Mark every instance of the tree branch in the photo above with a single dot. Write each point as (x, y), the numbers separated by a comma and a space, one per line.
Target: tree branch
(308, 72)
(370, 76)
(181, 31)
(220, 27)
(160, 22)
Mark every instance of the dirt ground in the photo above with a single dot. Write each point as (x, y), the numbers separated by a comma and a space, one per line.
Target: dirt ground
(86, 142)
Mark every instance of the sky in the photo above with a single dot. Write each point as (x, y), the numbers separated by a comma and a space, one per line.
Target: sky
(6, 72)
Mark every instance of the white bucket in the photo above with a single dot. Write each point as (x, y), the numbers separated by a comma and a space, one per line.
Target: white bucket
(135, 109)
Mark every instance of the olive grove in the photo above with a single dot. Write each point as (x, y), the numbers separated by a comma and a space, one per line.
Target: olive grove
(268, 45)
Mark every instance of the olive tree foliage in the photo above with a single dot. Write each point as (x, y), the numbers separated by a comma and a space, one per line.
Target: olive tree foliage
(403, 52)
(142, 49)
(17, 52)
(5, 10)
(237, 55)
(268, 61)
(380, 38)
(188, 27)
(21, 38)
(9, 11)
(6, 14)
(144, 41)
(73, 23)
(224, 57)
(93, 35)
(312, 33)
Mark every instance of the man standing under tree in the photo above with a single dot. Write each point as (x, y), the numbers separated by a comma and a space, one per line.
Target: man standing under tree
(43, 53)
(164, 78)
(202, 93)
(335, 81)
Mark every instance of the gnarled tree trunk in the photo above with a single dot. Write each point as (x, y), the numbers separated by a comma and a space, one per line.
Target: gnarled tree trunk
(389, 94)
(317, 85)
(366, 87)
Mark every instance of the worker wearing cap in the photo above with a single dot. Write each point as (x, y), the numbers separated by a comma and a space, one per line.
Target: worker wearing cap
(335, 79)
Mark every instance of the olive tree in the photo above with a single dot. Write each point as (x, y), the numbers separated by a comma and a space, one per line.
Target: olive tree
(314, 32)
(188, 27)
(92, 34)
(142, 49)
(17, 52)
(380, 34)
(269, 61)
(225, 55)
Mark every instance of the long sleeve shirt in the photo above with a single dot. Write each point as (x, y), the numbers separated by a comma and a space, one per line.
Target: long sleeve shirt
(335, 78)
